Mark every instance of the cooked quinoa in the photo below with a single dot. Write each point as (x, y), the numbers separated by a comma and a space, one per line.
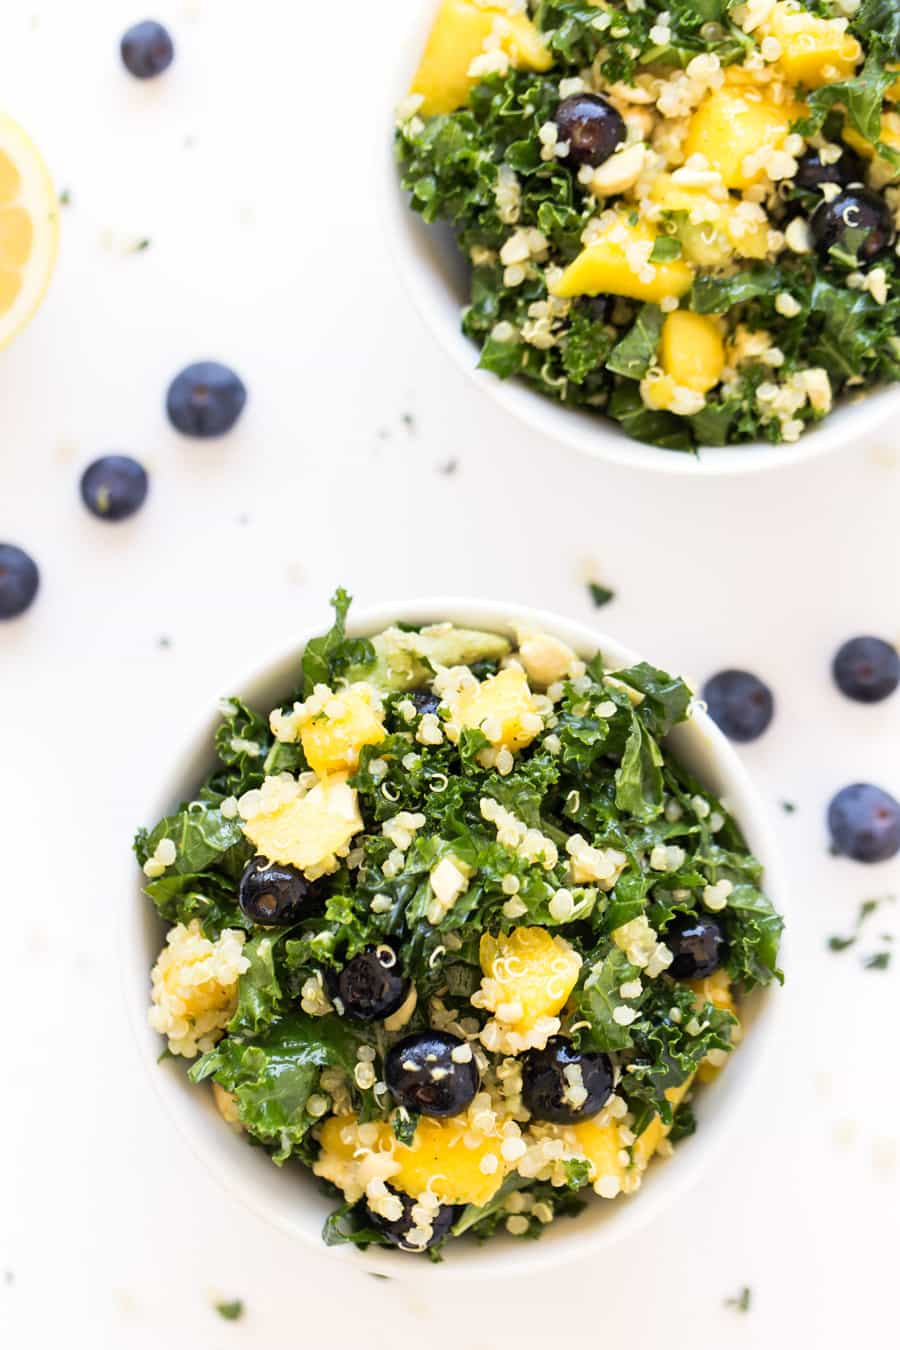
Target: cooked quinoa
(454, 928)
(680, 215)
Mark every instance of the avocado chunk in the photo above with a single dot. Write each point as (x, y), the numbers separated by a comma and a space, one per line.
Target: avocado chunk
(407, 660)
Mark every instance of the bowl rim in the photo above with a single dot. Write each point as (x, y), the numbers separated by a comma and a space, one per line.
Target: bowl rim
(218, 1148)
(594, 435)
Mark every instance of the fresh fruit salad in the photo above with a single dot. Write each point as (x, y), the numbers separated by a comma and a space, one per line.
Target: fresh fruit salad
(452, 928)
(683, 216)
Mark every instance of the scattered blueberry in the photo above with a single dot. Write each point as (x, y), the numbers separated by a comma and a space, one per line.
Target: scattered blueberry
(205, 399)
(147, 49)
(864, 821)
(698, 945)
(739, 704)
(19, 581)
(592, 127)
(858, 223)
(273, 894)
(114, 487)
(812, 172)
(546, 1084)
(425, 701)
(396, 1230)
(423, 1076)
(599, 308)
(867, 669)
(370, 987)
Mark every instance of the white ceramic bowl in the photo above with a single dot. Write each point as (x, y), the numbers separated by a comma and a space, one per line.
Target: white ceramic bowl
(435, 275)
(290, 1197)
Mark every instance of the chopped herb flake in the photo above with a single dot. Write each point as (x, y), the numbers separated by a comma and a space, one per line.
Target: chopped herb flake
(741, 1302)
(879, 961)
(231, 1311)
(600, 595)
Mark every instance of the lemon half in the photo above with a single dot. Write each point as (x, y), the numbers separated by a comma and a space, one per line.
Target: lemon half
(29, 228)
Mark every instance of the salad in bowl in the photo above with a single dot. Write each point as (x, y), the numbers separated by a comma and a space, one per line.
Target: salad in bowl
(452, 928)
(680, 218)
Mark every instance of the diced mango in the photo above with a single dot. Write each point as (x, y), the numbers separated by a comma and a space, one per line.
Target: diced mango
(814, 51)
(692, 350)
(714, 227)
(659, 393)
(438, 1159)
(505, 703)
(883, 172)
(714, 989)
(601, 1146)
(893, 90)
(648, 1142)
(529, 975)
(310, 831)
(458, 35)
(617, 263)
(732, 123)
(334, 736)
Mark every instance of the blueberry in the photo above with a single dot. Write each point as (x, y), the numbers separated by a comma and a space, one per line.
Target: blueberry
(864, 821)
(371, 986)
(274, 894)
(592, 127)
(867, 669)
(598, 308)
(425, 701)
(698, 945)
(739, 704)
(546, 1085)
(812, 172)
(19, 581)
(147, 49)
(857, 222)
(423, 1076)
(396, 1230)
(205, 399)
(114, 487)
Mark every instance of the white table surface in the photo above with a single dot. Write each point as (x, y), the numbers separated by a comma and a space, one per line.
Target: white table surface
(249, 166)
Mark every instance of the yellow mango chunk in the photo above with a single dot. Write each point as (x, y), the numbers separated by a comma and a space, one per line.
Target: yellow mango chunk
(714, 225)
(648, 1142)
(502, 706)
(458, 35)
(437, 1159)
(659, 393)
(601, 1146)
(334, 736)
(617, 263)
(882, 172)
(714, 989)
(307, 830)
(732, 123)
(692, 350)
(814, 51)
(529, 975)
(893, 90)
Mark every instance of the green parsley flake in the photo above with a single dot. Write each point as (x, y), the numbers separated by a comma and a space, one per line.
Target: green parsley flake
(231, 1311)
(741, 1302)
